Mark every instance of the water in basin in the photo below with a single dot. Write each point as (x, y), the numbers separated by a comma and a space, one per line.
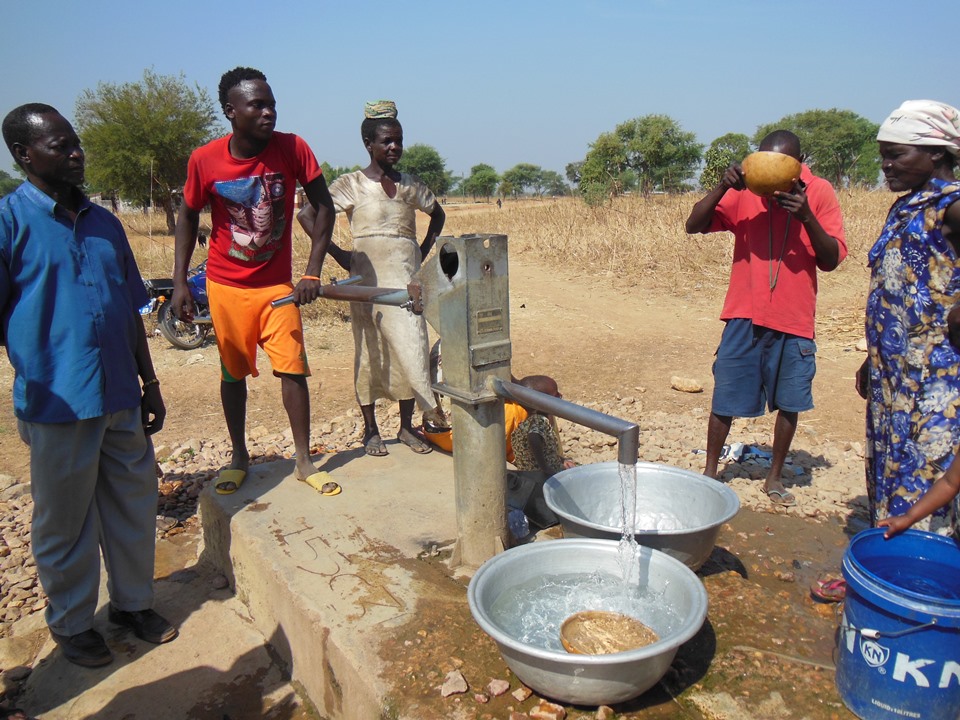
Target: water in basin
(532, 611)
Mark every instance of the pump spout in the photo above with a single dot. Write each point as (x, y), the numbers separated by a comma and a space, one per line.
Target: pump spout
(627, 433)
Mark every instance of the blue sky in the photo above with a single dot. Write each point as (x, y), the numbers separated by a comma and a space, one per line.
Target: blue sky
(498, 82)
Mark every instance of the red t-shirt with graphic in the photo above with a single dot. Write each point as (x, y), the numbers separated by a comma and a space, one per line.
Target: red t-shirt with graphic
(251, 205)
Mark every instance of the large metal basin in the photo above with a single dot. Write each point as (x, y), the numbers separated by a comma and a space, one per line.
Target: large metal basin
(587, 501)
(588, 679)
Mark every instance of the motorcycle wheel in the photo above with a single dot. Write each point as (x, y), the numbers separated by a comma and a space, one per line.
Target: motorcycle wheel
(184, 335)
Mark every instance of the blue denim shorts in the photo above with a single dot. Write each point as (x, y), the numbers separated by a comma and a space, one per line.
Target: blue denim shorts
(756, 366)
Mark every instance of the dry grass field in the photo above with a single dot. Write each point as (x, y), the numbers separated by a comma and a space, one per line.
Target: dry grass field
(635, 240)
(622, 283)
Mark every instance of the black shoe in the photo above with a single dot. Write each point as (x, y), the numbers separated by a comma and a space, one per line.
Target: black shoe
(146, 625)
(87, 648)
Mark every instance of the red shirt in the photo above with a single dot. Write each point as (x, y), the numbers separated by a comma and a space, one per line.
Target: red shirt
(251, 204)
(791, 305)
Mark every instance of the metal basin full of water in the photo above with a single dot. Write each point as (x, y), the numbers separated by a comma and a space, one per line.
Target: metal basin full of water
(587, 501)
(670, 597)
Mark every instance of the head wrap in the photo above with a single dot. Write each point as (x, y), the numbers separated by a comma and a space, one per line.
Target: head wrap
(380, 109)
(923, 122)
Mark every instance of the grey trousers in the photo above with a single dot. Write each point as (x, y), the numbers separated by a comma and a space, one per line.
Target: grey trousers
(94, 487)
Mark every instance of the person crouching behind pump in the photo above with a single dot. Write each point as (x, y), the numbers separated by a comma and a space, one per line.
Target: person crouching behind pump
(538, 455)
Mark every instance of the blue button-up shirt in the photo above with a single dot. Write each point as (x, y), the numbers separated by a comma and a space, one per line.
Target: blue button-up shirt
(69, 298)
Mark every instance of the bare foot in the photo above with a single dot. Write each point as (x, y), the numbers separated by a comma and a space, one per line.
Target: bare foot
(305, 468)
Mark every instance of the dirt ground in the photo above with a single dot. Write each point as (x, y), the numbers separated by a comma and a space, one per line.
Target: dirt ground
(600, 341)
(614, 347)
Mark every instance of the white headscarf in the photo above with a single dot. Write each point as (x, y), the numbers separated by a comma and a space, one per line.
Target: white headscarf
(923, 122)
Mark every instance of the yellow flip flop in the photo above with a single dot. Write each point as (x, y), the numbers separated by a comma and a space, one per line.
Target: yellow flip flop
(321, 482)
(229, 477)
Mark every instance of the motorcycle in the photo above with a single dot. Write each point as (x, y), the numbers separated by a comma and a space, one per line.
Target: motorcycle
(181, 334)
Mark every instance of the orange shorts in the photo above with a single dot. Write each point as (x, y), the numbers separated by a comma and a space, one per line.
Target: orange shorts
(244, 319)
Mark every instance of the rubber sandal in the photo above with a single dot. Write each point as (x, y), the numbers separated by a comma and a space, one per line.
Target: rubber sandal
(418, 445)
(782, 498)
(832, 590)
(321, 482)
(374, 446)
(227, 478)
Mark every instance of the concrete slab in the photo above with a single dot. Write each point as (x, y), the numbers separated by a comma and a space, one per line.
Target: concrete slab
(348, 601)
(220, 666)
(331, 576)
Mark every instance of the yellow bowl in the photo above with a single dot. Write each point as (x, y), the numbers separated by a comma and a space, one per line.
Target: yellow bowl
(443, 438)
(767, 172)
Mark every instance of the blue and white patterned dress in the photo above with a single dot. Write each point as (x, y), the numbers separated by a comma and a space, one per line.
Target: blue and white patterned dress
(914, 399)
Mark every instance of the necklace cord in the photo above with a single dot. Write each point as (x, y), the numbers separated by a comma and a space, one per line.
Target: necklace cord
(773, 278)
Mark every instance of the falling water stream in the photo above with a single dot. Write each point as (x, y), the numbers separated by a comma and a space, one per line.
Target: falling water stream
(628, 550)
(533, 611)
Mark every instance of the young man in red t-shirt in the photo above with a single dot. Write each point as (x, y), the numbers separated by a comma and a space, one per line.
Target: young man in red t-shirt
(249, 179)
(767, 352)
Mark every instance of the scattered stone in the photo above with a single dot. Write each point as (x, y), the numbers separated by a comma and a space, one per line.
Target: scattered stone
(547, 711)
(165, 523)
(522, 693)
(497, 687)
(19, 650)
(519, 716)
(832, 483)
(454, 683)
(604, 712)
(15, 491)
(482, 698)
(862, 345)
(219, 582)
(688, 385)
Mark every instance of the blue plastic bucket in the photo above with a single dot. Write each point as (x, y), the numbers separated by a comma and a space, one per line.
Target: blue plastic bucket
(898, 646)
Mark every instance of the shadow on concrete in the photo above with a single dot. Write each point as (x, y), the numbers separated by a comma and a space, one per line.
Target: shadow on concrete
(191, 690)
(236, 693)
(335, 461)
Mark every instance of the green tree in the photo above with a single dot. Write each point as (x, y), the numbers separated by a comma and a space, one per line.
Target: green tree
(425, 162)
(507, 189)
(839, 145)
(572, 171)
(138, 137)
(331, 173)
(482, 182)
(8, 183)
(525, 177)
(602, 171)
(726, 149)
(660, 154)
(554, 184)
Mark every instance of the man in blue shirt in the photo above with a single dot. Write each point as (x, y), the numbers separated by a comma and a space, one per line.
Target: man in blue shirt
(69, 297)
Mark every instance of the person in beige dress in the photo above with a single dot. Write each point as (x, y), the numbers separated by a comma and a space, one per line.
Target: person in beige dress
(392, 358)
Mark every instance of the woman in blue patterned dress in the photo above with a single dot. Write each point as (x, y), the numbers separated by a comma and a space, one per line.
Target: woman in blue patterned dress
(910, 377)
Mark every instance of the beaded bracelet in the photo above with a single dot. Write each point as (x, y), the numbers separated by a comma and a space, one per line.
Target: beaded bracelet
(310, 277)
(151, 381)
